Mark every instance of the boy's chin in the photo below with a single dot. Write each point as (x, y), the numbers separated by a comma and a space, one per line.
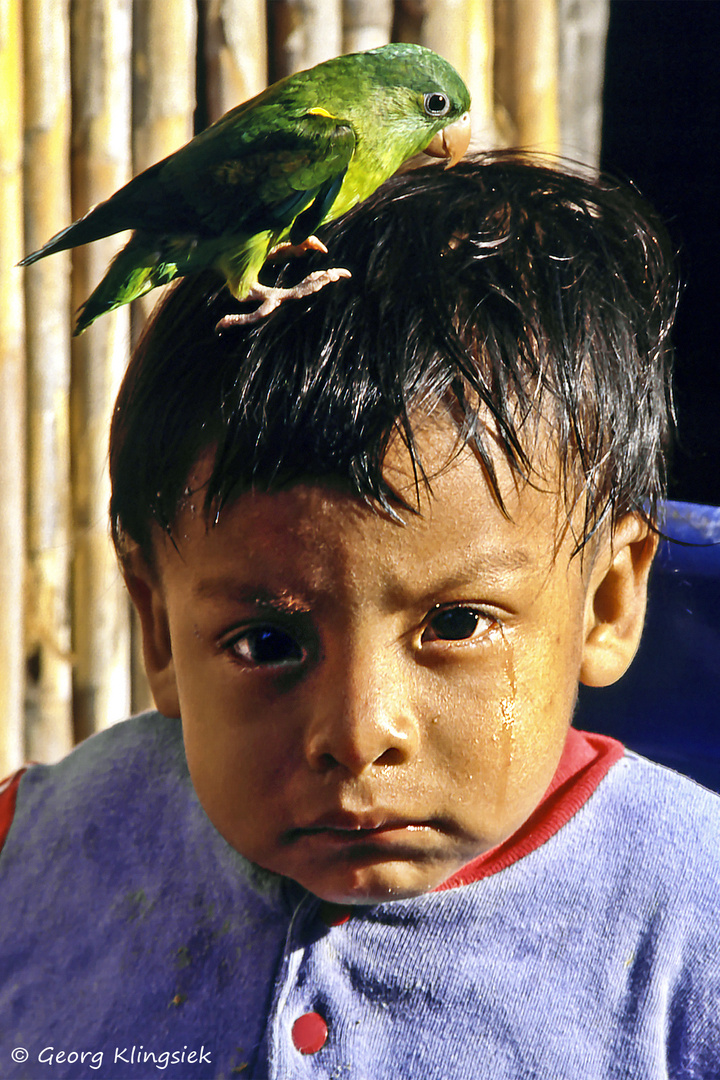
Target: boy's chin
(374, 884)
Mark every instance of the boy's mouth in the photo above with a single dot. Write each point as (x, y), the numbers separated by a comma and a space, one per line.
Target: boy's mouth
(351, 828)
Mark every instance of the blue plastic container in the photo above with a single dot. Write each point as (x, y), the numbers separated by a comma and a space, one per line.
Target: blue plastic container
(667, 706)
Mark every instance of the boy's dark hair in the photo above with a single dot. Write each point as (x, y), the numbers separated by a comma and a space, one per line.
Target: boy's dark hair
(501, 290)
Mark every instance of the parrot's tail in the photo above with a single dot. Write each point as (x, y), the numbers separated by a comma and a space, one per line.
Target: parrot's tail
(122, 211)
(101, 221)
(134, 271)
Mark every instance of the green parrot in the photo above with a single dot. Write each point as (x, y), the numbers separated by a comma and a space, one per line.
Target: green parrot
(264, 176)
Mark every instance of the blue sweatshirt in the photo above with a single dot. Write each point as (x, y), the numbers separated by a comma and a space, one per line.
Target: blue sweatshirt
(135, 943)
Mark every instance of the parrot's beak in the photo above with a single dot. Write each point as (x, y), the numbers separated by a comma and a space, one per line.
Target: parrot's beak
(452, 141)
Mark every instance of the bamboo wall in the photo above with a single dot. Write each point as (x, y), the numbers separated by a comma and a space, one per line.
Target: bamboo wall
(94, 91)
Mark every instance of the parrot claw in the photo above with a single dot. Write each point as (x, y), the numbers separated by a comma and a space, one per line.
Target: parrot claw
(284, 251)
(273, 297)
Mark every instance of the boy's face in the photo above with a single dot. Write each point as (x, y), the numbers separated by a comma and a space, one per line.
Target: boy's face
(367, 706)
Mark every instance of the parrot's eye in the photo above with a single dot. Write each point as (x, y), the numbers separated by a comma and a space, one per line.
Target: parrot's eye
(437, 104)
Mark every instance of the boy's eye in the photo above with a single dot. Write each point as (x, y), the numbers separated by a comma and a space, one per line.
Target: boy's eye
(266, 645)
(456, 624)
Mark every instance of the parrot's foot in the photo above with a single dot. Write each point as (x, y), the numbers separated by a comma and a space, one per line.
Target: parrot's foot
(284, 251)
(273, 297)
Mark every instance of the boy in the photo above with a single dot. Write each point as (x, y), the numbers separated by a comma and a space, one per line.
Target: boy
(375, 543)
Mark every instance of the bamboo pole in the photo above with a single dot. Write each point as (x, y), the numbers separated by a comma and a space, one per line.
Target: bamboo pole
(164, 42)
(462, 32)
(163, 104)
(527, 65)
(235, 54)
(303, 33)
(367, 24)
(163, 91)
(48, 707)
(12, 391)
(101, 70)
(583, 36)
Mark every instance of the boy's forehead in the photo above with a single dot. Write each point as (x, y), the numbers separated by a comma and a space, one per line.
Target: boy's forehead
(454, 527)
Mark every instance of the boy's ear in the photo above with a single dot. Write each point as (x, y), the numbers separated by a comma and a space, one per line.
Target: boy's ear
(147, 596)
(616, 600)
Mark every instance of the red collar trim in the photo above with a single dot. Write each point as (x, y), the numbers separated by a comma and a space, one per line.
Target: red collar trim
(8, 798)
(585, 761)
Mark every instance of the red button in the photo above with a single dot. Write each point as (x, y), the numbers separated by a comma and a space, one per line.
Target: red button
(309, 1033)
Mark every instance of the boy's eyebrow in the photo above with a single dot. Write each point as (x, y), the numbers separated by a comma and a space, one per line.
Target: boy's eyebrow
(479, 564)
(256, 595)
(253, 595)
(496, 559)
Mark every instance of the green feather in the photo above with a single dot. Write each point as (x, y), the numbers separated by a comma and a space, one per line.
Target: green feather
(303, 152)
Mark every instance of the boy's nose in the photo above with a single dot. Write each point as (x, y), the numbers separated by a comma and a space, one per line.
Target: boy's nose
(361, 716)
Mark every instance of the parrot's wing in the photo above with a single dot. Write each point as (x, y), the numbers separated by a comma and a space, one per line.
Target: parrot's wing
(263, 181)
(240, 181)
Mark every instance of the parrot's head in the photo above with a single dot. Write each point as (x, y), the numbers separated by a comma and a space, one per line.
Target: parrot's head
(428, 97)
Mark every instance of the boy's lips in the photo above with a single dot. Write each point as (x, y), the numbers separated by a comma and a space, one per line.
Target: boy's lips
(352, 827)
